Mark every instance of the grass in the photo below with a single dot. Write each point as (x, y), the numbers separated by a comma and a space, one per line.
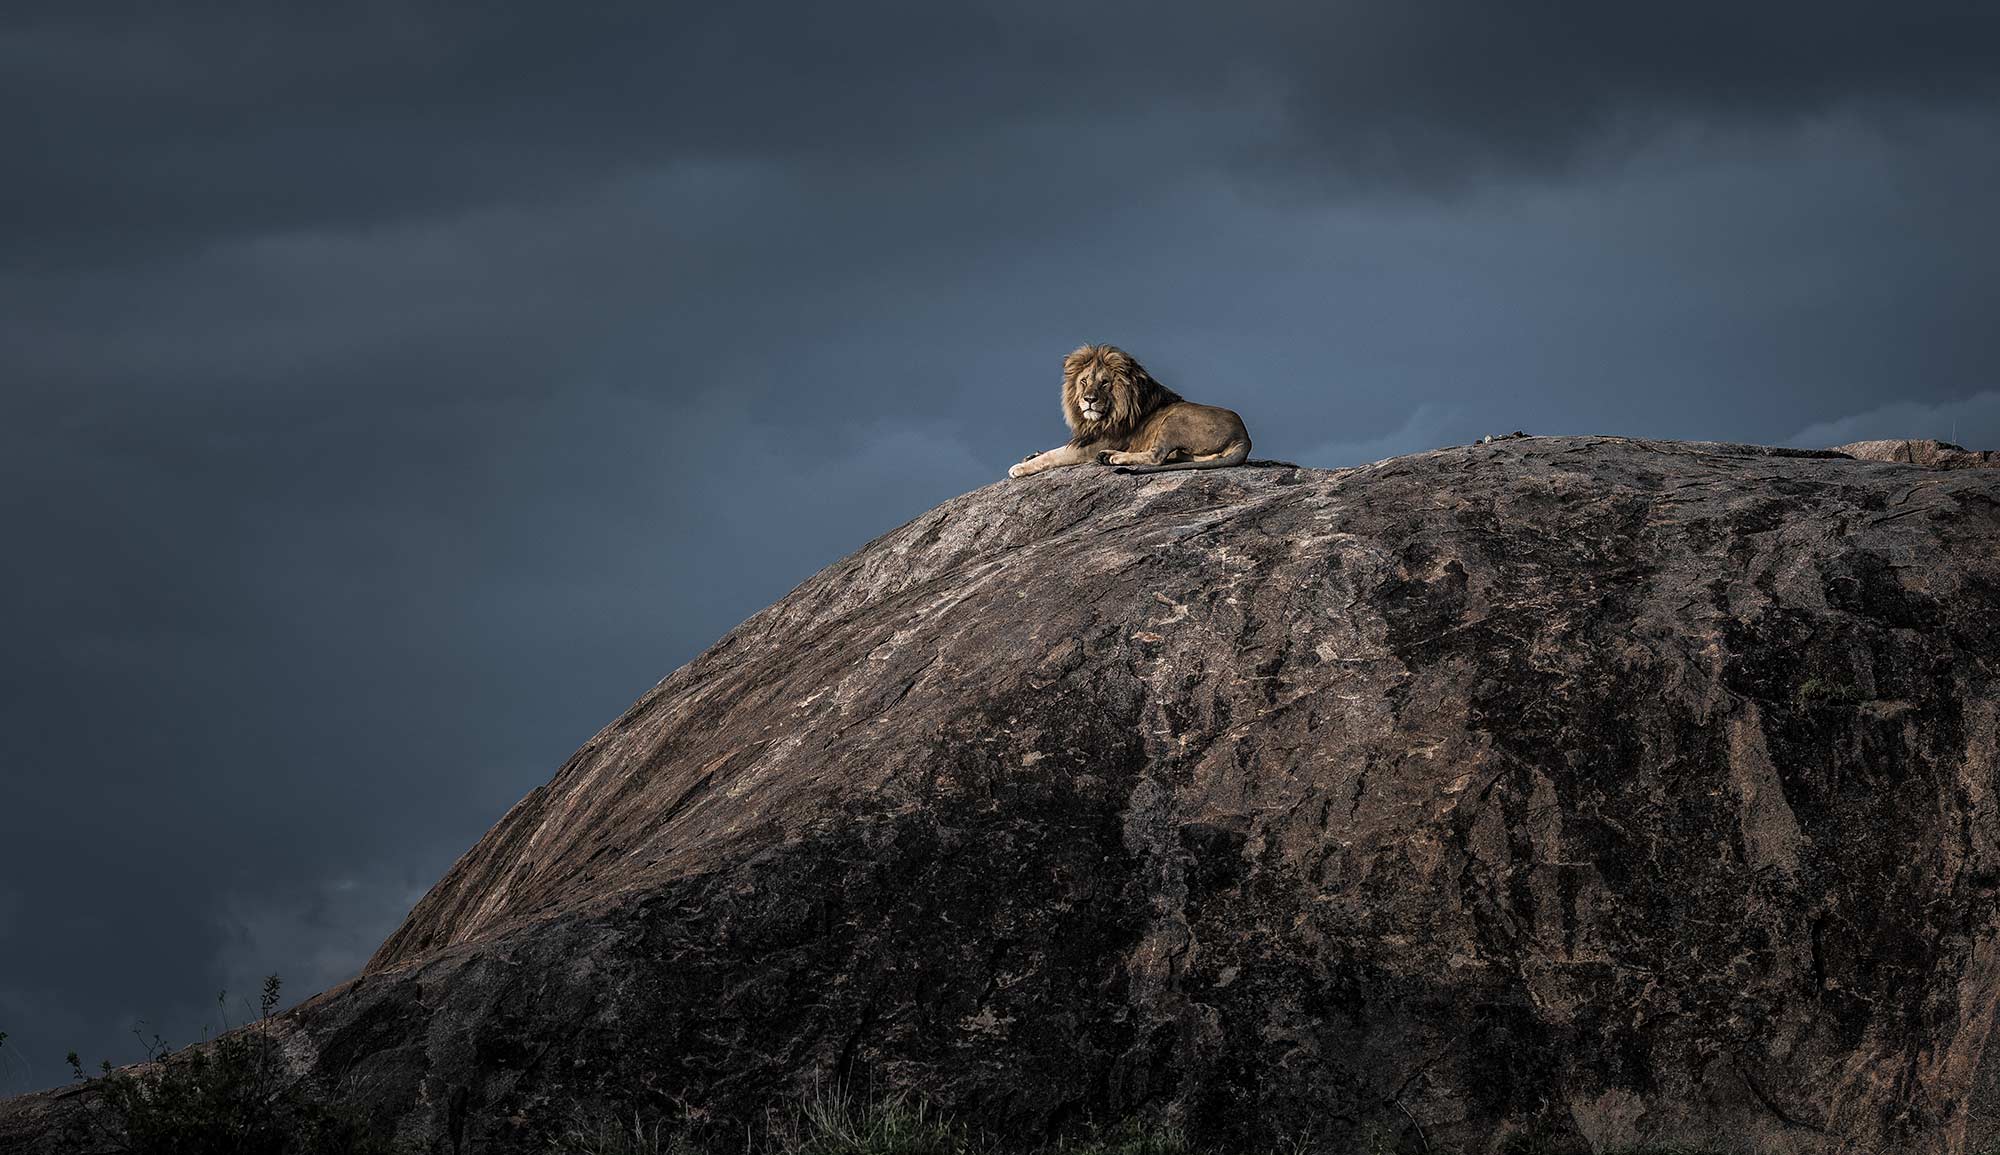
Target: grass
(1818, 695)
(830, 1123)
(233, 1096)
(228, 1097)
(1530, 1143)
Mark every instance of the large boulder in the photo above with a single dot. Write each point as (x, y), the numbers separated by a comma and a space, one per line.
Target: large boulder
(1935, 454)
(1590, 789)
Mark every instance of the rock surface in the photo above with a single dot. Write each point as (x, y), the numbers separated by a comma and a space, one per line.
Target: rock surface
(1594, 789)
(1935, 454)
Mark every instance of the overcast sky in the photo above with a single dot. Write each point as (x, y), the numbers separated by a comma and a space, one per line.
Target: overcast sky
(394, 392)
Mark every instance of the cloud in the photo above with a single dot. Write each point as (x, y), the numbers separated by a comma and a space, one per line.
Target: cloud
(1973, 422)
(1425, 428)
(23, 1053)
(317, 935)
(158, 128)
(1445, 94)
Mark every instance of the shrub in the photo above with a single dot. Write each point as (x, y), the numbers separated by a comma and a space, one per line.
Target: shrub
(1817, 695)
(228, 1097)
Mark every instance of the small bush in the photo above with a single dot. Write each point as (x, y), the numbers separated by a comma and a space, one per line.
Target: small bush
(229, 1097)
(1819, 696)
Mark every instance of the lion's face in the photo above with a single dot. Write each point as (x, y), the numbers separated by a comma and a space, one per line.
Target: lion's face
(1106, 392)
(1091, 389)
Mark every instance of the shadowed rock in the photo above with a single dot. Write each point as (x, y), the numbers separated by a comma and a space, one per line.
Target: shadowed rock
(1599, 789)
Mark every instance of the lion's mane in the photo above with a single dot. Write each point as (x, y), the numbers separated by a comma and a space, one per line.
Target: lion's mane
(1134, 393)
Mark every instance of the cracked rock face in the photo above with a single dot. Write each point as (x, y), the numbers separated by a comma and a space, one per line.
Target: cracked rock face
(1597, 789)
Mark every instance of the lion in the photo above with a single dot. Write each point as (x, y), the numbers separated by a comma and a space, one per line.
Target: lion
(1120, 416)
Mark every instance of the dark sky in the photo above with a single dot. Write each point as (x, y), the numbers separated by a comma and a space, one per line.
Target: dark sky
(392, 392)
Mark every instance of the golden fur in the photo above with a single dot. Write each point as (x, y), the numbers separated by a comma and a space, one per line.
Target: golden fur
(1119, 415)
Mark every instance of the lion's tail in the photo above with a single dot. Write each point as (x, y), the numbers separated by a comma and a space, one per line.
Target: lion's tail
(1235, 453)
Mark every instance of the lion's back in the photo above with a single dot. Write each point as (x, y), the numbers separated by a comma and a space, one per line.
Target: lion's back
(1197, 427)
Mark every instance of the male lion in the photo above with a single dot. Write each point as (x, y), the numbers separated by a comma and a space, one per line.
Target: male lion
(1120, 416)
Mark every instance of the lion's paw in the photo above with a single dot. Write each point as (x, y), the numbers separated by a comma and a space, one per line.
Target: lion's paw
(1104, 457)
(1017, 470)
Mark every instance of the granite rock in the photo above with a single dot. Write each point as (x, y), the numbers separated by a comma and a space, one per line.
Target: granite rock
(1585, 788)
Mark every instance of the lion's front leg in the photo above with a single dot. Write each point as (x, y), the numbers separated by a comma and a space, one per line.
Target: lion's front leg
(1155, 456)
(1054, 459)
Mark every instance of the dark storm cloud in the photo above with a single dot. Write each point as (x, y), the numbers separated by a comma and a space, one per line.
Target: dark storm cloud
(1443, 92)
(154, 127)
(392, 393)
(147, 126)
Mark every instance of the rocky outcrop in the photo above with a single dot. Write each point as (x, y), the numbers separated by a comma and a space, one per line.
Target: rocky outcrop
(1594, 789)
(1933, 454)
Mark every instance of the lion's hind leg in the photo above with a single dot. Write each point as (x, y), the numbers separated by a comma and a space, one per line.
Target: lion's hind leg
(1236, 453)
(1158, 455)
